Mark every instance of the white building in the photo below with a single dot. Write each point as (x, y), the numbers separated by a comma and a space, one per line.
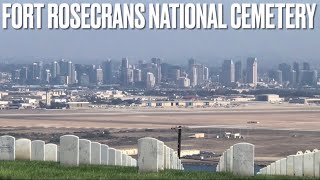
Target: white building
(151, 80)
(184, 82)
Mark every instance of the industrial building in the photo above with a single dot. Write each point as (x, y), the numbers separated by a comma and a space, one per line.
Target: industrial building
(269, 98)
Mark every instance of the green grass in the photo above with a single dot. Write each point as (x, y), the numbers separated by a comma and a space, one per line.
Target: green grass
(45, 170)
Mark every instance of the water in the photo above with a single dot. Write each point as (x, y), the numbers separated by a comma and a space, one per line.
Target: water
(210, 168)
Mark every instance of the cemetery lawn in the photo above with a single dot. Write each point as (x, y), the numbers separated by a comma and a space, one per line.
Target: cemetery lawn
(46, 170)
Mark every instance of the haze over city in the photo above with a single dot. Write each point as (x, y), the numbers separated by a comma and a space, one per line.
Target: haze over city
(174, 46)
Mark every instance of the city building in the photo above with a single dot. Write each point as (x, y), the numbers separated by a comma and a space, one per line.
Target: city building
(228, 73)
(238, 77)
(151, 80)
(252, 71)
(183, 82)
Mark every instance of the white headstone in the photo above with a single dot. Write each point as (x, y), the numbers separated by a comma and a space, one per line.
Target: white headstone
(172, 159)
(51, 152)
(179, 164)
(316, 164)
(37, 150)
(243, 159)
(228, 160)
(112, 157)
(308, 164)
(104, 154)
(166, 157)
(84, 151)
(69, 150)
(290, 165)
(268, 170)
(278, 167)
(299, 153)
(95, 153)
(7, 148)
(150, 155)
(273, 168)
(161, 155)
(23, 149)
(129, 161)
(283, 167)
(134, 162)
(124, 159)
(118, 158)
(231, 159)
(298, 165)
(222, 163)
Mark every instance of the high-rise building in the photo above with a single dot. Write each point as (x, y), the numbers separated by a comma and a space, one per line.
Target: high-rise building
(151, 80)
(252, 71)
(276, 75)
(238, 76)
(178, 74)
(293, 78)
(183, 82)
(137, 75)
(228, 72)
(55, 69)
(84, 79)
(24, 75)
(130, 76)
(306, 66)
(206, 73)
(15, 75)
(200, 74)
(286, 71)
(37, 71)
(156, 61)
(308, 77)
(124, 71)
(158, 75)
(296, 68)
(191, 62)
(107, 72)
(193, 76)
(99, 76)
(47, 76)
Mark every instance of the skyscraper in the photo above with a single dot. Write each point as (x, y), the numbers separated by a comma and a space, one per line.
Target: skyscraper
(151, 80)
(191, 62)
(107, 72)
(286, 71)
(193, 76)
(99, 76)
(206, 73)
(124, 71)
(306, 66)
(37, 71)
(200, 74)
(252, 71)
(228, 72)
(296, 68)
(55, 69)
(137, 75)
(238, 72)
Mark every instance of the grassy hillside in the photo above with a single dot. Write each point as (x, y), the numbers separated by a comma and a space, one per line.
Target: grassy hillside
(45, 170)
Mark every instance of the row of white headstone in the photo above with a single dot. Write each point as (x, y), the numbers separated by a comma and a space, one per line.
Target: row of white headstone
(301, 164)
(155, 156)
(72, 151)
(238, 159)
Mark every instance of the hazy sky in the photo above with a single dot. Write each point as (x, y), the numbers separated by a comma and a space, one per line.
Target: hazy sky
(172, 45)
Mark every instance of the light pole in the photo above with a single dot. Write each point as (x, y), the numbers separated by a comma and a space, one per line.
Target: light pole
(179, 128)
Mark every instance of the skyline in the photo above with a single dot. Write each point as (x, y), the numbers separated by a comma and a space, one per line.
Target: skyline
(270, 46)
